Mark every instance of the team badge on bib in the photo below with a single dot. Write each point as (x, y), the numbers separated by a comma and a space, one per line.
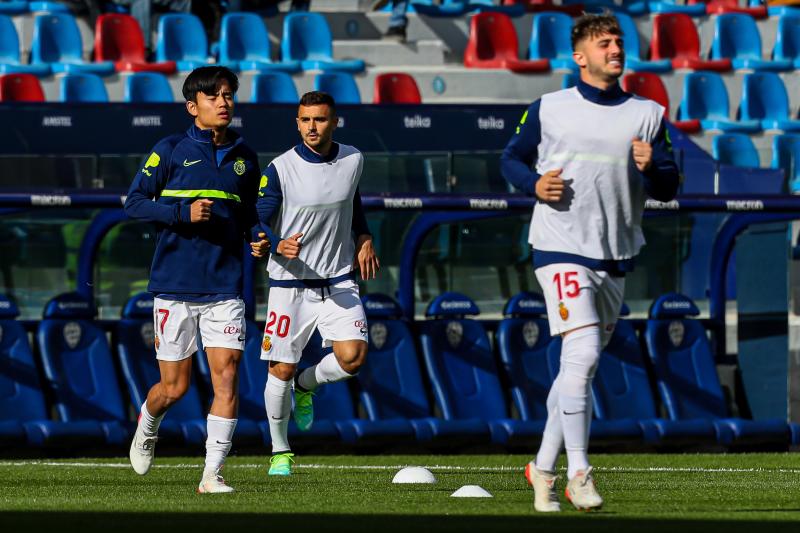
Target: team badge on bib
(266, 344)
(563, 312)
(239, 166)
(157, 342)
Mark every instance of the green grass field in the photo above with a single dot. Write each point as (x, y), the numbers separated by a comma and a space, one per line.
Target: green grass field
(354, 493)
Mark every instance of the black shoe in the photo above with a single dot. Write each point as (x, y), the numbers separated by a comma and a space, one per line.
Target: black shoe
(395, 33)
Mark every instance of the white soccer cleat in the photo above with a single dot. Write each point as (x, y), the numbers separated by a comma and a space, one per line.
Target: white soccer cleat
(545, 497)
(213, 484)
(142, 452)
(582, 493)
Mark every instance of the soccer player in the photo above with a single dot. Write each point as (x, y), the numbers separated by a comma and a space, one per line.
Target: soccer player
(319, 234)
(598, 152)
(200, 188)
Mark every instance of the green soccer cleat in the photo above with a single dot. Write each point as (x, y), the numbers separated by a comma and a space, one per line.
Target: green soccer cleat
(303, 409)
(281, 464)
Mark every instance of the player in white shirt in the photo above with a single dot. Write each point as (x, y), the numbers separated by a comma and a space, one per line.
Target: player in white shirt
(598, 152)
(310, 208)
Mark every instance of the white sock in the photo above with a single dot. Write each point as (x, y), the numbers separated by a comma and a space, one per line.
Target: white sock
(553, 436)
(148, 422)
(278, 401)
(326, 371)
(580, 353)
(218, 443)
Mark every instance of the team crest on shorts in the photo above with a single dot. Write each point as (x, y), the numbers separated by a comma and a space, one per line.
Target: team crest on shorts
(239, 166)
(156, 341)
(266, 344)
(563, 312)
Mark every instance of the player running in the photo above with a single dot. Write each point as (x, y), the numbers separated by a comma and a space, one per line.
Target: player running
(598, 152)
(312, 193)
(200, 188)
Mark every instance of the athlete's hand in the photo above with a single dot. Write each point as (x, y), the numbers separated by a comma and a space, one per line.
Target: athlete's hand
(201, 210)
(290, 248)
(642, 154)
(261, 247)
(366, 260)
(550, 186)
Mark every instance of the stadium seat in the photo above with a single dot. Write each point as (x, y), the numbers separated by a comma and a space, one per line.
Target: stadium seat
(550, 40)
(185, 422)
(538, 6)
(787, 39)
(48, 7)
(340, 85)
(274, 88)
(764, 99)
(719, 7)
(82, 88)
(649, 85)
(687, 378)
(396, 88)
(735, 149)
(182, 39)
(736, 37)
(57, 43)
(244, 45)
(675, 37)
(671, 6)
(9, 51)
(118, 38)
(633, 56)
(79, 368)
(459, 8)
(493, 44)
(705, 98)
(20, 88)
(307, 39)
(786, 156)
(13, 7)
(147, 87)
(461, 367)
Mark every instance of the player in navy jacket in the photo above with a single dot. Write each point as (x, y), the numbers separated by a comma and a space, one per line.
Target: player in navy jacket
(200, 188)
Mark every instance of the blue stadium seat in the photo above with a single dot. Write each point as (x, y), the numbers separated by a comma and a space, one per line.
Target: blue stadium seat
(57, 43)
(307, 39)
(186, 420)
(459, 8)
(340, 85)
(244, 45)
(787, 39)
(181, 38)
(82, 88)
(9, 51)
(147, 87)
(735, 149)
(14, 7)
(736, 37)
(636, 8)
(671, 6)
(633, 56)
(550, 39)
(49, 7)
(79, 368)
(461, 367)
(687, 378)
(786, 156)
(274, 88)
(764, 99)
(705, 98)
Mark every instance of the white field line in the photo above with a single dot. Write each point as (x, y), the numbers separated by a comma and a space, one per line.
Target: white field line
(440, 468)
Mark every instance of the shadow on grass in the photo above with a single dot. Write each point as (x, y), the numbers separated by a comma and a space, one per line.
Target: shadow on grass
(386, 523)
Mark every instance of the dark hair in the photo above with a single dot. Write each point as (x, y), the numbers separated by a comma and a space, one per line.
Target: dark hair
(588, 26)
(318, 98)
(207, 80)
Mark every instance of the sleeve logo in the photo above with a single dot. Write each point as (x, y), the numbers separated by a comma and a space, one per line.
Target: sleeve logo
(239, 167)
(152, 161)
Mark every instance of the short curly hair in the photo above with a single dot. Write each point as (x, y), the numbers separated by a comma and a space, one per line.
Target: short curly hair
(588, 26)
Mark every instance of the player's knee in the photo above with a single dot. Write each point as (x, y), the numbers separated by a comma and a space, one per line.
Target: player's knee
(282, 371)
(174, 391)
(353, 357)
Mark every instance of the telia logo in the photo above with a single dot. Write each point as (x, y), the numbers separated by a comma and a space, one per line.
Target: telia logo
(5, 305)
(491, 123)
(417, 121)
(677, 305)
(379, 305)
(455, 305)
(73, 305)
(530, 304)
(141, 304)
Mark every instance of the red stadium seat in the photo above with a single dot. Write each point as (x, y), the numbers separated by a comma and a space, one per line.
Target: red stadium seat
(396, 88)
(20, 88)
(649, 85)
(675, 37)
(718, 7)
(538, 6)
(119, 38)
(493, 44)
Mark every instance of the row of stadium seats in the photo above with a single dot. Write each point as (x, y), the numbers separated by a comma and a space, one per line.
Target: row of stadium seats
(737, 149)
(268, 88)
(467, 382)
(674, 44)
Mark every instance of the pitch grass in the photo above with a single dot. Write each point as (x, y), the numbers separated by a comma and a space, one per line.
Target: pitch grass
(744, 492)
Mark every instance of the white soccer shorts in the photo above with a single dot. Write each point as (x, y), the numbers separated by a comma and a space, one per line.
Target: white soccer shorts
(293, 313)
(577, 296)
(221, 325)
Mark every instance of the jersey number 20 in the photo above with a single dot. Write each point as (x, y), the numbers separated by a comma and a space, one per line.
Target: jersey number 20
(283, 324)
